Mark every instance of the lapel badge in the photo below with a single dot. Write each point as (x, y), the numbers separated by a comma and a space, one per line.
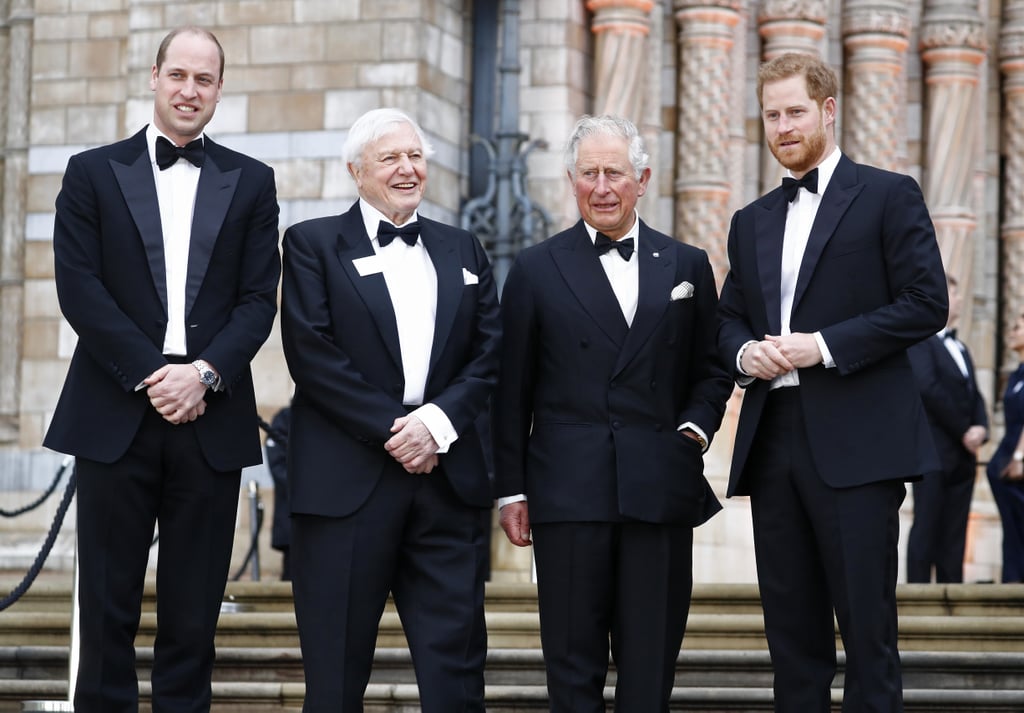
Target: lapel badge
(655, 254)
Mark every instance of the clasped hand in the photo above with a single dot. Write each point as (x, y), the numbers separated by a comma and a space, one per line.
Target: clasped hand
(412, 445)
(176, 393)
(778, 355)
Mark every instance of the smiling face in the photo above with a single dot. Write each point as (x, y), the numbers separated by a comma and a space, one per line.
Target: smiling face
(392, 173)
(799, 131)
(187, 87)
(605, 184)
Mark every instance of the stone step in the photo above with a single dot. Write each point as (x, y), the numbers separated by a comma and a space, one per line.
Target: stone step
(53, 593)
(696, 668)
(706, 680)
(522, 630)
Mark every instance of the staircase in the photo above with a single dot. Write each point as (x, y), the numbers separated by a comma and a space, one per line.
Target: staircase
(962, 648)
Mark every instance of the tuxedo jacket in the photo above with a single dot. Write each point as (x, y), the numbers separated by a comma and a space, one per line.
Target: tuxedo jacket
(111, 283)
(587, 408)
(341, 341)
(952, 402)
(872, 282)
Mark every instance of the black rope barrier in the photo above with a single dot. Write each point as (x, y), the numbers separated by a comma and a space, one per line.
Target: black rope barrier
(51, 537)
(68, 462)
(252, 544)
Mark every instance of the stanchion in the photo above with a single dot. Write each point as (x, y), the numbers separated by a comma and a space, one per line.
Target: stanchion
(73, 652)
(255, 520)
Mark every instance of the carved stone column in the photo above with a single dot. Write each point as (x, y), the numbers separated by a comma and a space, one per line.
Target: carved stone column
(952, 50)
(875, 36)
(1011, 64)
(788, 26)
(705, 103)
(621, 28)
(791, 26)
(15, 79)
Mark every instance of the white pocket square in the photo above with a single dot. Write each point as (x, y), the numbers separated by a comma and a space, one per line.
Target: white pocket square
(468, 278)
(681, 291)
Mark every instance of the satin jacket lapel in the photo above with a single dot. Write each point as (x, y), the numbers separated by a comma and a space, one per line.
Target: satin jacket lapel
(139, 190)
(657, 269)
(214, 192)
(448, 267)
(769, 231)
(580, 266)
(354, 243)
(838, 197)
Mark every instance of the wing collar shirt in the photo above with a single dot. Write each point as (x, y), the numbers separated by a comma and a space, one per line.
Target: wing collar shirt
(176, 194)
(412, 284)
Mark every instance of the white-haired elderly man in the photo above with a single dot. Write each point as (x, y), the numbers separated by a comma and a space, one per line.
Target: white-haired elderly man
(610, 390)
(390, 327)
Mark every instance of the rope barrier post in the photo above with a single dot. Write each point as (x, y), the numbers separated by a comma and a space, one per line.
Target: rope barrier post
(76, 634)
(73, 654)
(255, 519)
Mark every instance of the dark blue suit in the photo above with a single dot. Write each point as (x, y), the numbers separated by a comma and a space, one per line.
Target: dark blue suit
(942, 499)
(585, 425)
(361, 525)
(871, 281)
(111, 282)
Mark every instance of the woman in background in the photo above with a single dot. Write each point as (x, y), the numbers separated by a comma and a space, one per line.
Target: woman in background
(1006, 468)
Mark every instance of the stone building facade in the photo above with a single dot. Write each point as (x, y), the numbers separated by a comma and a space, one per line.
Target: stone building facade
(933, 88)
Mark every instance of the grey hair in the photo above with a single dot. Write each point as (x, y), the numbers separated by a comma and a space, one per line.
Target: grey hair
(373, 125)
(608, 125)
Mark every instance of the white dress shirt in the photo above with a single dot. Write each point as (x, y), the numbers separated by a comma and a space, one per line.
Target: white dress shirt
(176, 194)
(412, 284)
(955, 350)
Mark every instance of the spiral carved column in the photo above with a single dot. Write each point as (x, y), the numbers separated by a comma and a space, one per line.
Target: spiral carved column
(875, 36)
(705, 104)
(952, 50)
(621, 28)
(1011, 64)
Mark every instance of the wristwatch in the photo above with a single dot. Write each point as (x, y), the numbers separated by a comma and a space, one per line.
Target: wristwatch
(207, 376)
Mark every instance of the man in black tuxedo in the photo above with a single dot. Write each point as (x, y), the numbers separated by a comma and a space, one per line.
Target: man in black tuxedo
(956, 410)
(390, 327)
(166, 264)
(832, 277)
(610, 391)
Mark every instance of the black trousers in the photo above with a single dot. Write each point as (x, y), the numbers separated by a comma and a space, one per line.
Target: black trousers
(942, 505)
(163, 478)
(416, 539)
(822, 550)
(628, 581)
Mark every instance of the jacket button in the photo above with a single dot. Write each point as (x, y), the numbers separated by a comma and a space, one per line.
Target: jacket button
(616, 425)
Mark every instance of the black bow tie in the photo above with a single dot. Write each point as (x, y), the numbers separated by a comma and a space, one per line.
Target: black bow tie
(950, 334)
(386, 232)
(791, 185)
(167, 153)
(603, 244)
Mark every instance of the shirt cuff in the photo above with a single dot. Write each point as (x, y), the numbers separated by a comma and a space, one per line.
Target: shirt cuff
(826, 356)
(699, 431)
(437, 423)
(509, 499)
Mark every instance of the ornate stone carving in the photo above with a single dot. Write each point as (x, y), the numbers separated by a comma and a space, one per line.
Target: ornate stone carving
(704, 106)
(875, 36)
